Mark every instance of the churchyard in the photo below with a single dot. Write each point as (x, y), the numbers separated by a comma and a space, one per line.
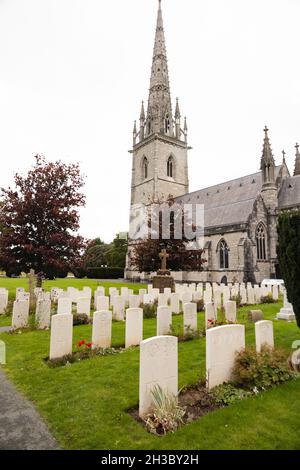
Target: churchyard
(88, 403)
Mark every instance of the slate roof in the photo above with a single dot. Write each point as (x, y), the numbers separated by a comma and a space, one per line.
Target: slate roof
(228, 203)
(289, 195)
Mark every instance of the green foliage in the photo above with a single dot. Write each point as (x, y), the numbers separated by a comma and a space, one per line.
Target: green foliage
(227, 394)
(238, 299)
(150, 310)
(116, 254)
(81, 319)
(288, 252)
(105, 273)
(166, 415)
(268, 299)
(200, 305)
(262, 370)
(187, 334)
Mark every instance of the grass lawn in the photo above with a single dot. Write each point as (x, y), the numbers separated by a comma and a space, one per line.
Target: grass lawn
(85, 403)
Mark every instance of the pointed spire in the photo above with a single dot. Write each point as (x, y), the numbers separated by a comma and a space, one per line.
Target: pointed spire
(142, 115)
(159, 104)
(297, 161)
(267, 161)
(283, 156)
(267, 155)
(177, 110)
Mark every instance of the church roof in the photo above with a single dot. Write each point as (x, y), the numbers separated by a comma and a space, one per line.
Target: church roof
(227, 203)
(289, 195)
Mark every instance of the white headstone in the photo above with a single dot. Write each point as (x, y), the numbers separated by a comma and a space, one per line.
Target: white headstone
(162, 300)
(230, 311)
(3, 303)
(119, 308)
(164, 321)
(102, 303)
(250, 296)
(264, 334)
(61, 335)
(175, 308)
(43, 314)
(148, 299)
(207, 296)
(102, 329)
(226, 294)
(158, 367)
(222, 344)
(134, 327)
(190, 317)
(64, 306)
(134, 301)
(210, 314)
(20, 314)
(186, 297)
(84, 306)
(155, 293)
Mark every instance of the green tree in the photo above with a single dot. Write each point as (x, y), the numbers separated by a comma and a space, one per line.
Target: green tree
(95, 254)
(288, 252)
(116, 254)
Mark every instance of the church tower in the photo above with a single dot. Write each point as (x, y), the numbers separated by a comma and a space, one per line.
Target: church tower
(269, 187)
(159, 155)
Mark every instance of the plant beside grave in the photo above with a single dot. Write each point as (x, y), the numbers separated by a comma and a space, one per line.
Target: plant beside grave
(200, 305)
(81, 319)
(267, 299)
(166, 414)
(84, 351)
(227, 394)
(150, 310)
(187, 335)
(260, 371)
(238, 299)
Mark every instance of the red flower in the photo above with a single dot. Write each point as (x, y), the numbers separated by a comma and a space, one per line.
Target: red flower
(81, 343)
(88, 345)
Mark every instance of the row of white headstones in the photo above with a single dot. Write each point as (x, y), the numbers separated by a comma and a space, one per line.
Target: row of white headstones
(213, 297)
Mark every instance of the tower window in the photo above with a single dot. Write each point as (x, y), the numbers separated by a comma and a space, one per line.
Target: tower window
(170, 167)
(224, 255)
(145, 168)
(261, 242)
(167, 124)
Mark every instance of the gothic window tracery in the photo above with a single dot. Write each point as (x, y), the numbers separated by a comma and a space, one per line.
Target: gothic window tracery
(170, 167)
(145, 168)
(260, 237)
(224, 255)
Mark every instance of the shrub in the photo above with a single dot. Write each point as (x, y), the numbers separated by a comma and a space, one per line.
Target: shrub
(200, 305)
(267, 299)
(150, 310)
(237, 299)
(105, 273)
(81, 319)
(166, 415)
(227, 393)
(262, 370)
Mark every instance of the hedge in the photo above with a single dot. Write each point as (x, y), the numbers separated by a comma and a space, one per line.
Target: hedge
(105, 273)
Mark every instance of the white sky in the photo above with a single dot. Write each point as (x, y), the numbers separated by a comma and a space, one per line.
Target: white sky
(73, 74)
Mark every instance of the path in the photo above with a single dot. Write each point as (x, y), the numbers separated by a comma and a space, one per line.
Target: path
(21, 427)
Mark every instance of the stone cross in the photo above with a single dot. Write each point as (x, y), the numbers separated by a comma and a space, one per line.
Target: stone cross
(164, 256)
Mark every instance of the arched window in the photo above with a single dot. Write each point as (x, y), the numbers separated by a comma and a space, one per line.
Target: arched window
(261, 242)
(145, 168)
(224, 255)
(149, 125)
(170, 167)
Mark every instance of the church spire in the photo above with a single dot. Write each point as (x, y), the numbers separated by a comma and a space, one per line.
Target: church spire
(297, 161)
(267, 161)
(159, 113)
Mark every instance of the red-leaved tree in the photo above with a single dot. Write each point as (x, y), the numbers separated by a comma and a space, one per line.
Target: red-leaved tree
(39, 220)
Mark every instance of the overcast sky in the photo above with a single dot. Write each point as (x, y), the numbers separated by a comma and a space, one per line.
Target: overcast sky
(73, 74)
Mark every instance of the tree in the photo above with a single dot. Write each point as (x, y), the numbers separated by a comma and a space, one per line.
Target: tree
(39, 220)
(182, 257)
(95, 254)
(288, 253)
(116, 254)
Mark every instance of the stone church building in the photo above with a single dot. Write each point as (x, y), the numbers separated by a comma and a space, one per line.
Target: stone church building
(240, 216)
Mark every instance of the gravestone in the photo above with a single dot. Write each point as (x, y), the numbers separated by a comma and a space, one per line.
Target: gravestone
(2, 353)
(43, 314)
(102, 303)
(186, 297)
(148, 299)
(155, 292)
(64, 306)
(175, 307)
(102, 329)
(230, 311)
(255, 316)
(84, 306)
(134, 301)
(217, 298)
(20, 314)
(250, 296)
(222, 344)
(134, 327)
(87, 292)
(264, 334)
(287, 312)
(210, 315)
(118, 308)
(275, 293)
(164, 321)
(226, 294)
(61, 335)
(207, 296)
(190, 322)
(162, 300)
(3, 303)
(158, 367)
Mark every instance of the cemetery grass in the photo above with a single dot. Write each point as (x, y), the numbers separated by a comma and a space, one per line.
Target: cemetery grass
(85, 404)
